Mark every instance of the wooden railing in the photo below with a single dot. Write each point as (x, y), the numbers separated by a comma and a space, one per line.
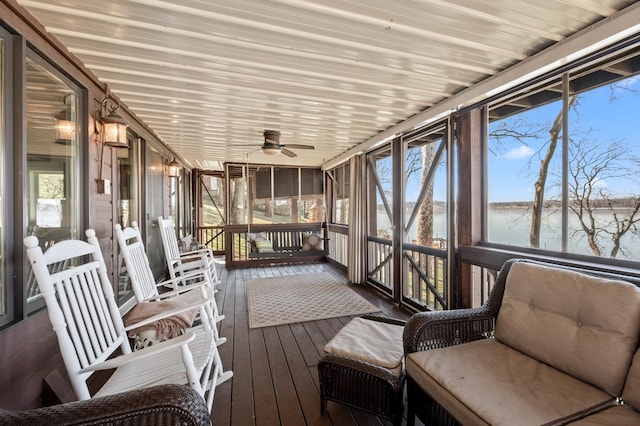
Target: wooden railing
(426, 282)
(212, 237)
(338, 244)
(424, 270)
(286, 240)
(379, 262)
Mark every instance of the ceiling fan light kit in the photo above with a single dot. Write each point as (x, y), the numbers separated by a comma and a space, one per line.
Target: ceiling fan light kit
(270, 150)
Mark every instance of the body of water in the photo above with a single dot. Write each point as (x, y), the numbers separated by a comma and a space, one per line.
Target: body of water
(512, 225)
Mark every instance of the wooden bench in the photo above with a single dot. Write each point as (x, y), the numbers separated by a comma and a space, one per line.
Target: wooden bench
(285, 244)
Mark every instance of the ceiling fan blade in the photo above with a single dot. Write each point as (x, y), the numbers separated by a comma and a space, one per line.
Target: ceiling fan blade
(296, 146)
(288, 153)
(244, 144)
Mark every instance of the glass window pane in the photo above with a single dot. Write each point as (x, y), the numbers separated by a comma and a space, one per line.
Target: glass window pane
(52, 196)
(380, 184)
(237, 195)
(128, 204)
(604, 172)
(341, 191)
(525, 154)
(429, 228)
(212, 200)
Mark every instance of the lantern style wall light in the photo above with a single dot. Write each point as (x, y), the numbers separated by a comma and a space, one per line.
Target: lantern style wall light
(173, 168)
(114, 128)
(65, 125)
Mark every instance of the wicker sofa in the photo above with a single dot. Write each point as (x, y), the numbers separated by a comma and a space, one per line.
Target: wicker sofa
(158, 405)
(552, 345)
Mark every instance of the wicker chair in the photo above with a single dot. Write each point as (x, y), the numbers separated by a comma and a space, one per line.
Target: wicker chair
(439, 329)
(370, 388)
(160, 405)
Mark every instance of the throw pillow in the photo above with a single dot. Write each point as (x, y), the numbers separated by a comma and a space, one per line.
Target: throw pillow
(264, 246)
(311, 242)
(251, 236)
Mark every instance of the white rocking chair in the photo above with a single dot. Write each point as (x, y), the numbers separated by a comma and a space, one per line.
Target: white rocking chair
(180, 263)
(90, 330)
(188, 287)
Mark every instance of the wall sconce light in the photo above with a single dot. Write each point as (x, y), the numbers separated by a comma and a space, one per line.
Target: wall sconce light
(114, 128)
(173, 168)
(65, 126)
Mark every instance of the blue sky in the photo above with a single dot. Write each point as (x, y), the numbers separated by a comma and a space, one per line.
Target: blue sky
(602, 116)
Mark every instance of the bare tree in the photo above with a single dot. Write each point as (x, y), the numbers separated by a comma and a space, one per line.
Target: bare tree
(538, 199)
(591, 167)
(51, 186)
(237, 195)
(425, 217)
(523, 131)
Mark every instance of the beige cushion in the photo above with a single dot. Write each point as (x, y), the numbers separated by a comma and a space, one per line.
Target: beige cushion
(311, 241)
(264, 246)
(486, 382)
(581, 324)
(375, 342)
(614, 416)
(631, 392)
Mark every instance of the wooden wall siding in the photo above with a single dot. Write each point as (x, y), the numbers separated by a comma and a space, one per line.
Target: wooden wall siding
(28, 352)
(29, 349)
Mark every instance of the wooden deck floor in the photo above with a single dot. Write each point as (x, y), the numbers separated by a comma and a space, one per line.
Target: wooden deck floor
(275, 378)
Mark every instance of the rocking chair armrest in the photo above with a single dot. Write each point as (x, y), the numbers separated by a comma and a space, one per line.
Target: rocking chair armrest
(438, 329)
(199, 274)
(182, 289)
(207, 251)
(166, 314)
(182, 268)
(167, 345)
(190, 257)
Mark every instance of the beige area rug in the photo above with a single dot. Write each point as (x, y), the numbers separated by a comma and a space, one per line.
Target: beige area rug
(299, 298)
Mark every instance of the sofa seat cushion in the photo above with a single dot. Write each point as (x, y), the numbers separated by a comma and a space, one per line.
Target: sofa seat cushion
(621, 415)
(584, 325)
(378, 343)
(486, 382)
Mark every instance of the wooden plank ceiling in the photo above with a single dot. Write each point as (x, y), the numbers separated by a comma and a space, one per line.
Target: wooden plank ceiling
(209, 75)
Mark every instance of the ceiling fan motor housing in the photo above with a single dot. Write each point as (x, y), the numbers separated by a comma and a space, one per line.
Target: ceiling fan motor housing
(272, 137)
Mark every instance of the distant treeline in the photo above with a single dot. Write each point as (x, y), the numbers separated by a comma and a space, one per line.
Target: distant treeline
(626, 202)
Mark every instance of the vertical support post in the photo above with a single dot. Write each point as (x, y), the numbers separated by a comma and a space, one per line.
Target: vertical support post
(398, 217)
(469, 138)
(565, 160)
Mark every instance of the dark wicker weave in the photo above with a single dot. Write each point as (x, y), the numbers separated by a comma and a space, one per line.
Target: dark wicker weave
(432, 330)
(169, 405)
(362, 385)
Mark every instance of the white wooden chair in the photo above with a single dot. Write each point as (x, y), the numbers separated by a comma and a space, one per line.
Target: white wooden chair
(90, 330)
(179, 263)
(188, 287)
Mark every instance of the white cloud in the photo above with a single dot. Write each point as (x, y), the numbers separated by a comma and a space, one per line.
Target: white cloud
(519, 153)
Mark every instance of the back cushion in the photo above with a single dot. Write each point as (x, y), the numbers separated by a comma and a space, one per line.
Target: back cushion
(631, 392)
(583, 325)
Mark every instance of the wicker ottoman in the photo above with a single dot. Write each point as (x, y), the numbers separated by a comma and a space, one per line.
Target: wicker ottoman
(363, 367)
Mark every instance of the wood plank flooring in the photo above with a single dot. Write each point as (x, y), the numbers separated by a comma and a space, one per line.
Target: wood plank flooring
(275, 376)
